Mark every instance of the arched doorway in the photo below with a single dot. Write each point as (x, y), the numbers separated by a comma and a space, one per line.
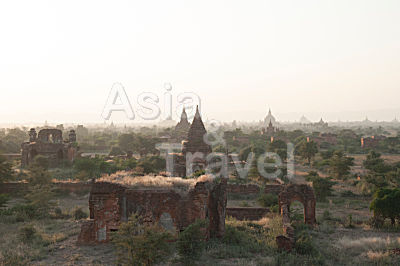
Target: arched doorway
(296, 211)
(301, 193)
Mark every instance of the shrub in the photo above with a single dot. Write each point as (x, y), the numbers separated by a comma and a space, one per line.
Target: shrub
(38, 175)
(385, 204)
(79, 214)
(244, 204)
(376, 222)
(234, 236)
(58, 214)
(326, 215)
(40, 200)
(275, 208)
(24, 212)
(4, 198)
(11, 257)
(267, 200)
(322, 186)
(304, 244)
(349, 222)
(139, 244)
(6, 170)
(190, 242)
(347, 193)
(27, 233)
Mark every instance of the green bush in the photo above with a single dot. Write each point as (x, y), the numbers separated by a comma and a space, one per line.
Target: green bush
(304, 244)
(191, 241)
(275, 208)
(385, 204)
(41, 199)
(79, 214)
(24, 212)
(233, 236)
(244, 204)
(27, 233)
(349, 222)
(4, 198)
(322, 186)
(347, 193)
(326, 215)
(139, 244)
(376, 222)
(267, 200)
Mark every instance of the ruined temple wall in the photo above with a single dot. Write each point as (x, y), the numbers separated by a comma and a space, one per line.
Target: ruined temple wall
(250, 214)
(253, 189)
(111, 204)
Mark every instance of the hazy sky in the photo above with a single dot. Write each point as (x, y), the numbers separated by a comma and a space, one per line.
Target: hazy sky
(338, 59)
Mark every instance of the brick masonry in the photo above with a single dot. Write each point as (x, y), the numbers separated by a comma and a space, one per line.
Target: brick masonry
(111, 204)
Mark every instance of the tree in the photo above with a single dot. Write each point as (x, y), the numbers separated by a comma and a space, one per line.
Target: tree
(375, 163)
(126, 142)
(322, 186)
(191, 241)
(244, 153)
(339, 164)
(40, 198)
(385, 204)
(88, 166)
(38, 175)
(307, 150)
(6, 171)
(139, 244)
(115, 151)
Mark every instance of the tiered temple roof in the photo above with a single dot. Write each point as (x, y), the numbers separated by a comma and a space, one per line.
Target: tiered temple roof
(195, 140)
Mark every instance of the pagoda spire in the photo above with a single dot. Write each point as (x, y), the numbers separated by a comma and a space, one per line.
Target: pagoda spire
(184, 115)
(195, 139)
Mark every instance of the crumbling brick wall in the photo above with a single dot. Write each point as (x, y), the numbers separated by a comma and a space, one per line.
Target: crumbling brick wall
(253, 189)
(110, 204)
(304, 194)
(250, 214)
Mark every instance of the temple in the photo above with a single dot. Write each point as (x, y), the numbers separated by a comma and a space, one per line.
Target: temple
(269, 119)
(49, 143)
(192, 158)
(182, 128)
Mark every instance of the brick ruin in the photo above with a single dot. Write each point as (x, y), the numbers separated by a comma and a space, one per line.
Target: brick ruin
(175, 208)
(287, 194)
(304, 194)
(49, 143)
(110, 204)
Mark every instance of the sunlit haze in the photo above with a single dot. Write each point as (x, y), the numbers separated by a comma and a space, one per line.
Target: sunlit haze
(339, 60)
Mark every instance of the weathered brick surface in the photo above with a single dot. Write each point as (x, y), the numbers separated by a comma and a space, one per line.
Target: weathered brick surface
(250, 214)
(49, 143)
(290, 193)
(111, 204)
(253, 189)
(304, 194)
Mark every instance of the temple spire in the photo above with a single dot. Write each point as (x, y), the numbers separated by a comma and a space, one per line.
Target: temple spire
(183, 115)
(195, 139)
(197, 115)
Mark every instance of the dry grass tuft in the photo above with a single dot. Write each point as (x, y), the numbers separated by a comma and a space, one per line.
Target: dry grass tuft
(371, 246)
(128, 179)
